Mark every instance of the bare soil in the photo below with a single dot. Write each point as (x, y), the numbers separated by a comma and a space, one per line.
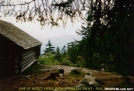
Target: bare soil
(36, 83)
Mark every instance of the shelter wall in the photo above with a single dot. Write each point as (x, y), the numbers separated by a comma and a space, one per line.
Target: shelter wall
(29, 57)
(4, 56)
(10, 57)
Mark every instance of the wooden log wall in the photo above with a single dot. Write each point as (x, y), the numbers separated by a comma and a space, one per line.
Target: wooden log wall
(28, 58)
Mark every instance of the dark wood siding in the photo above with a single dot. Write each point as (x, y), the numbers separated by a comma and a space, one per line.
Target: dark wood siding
(10, 57)
(15, 53)
(14, 59)
(4, 56)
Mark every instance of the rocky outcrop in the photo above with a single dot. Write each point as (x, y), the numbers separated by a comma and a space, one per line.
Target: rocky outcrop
(88, 81)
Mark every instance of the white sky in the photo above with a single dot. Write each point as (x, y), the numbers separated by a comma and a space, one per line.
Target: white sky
(59, 36)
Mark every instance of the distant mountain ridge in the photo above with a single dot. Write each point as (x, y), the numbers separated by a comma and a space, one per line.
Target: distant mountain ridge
(59, 41)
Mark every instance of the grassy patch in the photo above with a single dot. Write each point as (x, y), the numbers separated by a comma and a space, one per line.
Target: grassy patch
(76, 74)
(33, 69)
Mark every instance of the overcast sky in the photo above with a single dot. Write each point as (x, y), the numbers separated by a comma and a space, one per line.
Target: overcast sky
(59, 36)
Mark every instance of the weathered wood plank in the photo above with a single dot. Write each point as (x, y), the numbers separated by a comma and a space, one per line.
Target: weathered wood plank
(24, 65)
(28, 59)
(28, 65)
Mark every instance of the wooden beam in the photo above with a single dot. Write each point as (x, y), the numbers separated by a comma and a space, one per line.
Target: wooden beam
(28, 65)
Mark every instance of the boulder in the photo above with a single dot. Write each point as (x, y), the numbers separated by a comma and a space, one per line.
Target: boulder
(62, 76)
(94, 83)
(83, 83)
(89, 77)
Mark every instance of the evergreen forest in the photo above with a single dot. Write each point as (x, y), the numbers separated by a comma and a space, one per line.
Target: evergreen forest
(107, 39)
(107, 30)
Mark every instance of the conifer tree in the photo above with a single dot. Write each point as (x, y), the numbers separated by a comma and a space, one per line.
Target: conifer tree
(49, 47)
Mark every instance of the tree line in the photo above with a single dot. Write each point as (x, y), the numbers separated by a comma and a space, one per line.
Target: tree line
(107, 38)
(107, 29)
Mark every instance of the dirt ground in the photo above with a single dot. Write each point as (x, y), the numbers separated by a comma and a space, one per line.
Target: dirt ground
(36, 83)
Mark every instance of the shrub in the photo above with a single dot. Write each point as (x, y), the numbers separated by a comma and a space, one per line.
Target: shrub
(80, 62)
(48, 59)
(33, 69)
(66, 62)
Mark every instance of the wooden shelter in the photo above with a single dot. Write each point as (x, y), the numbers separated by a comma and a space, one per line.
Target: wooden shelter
(18, 50)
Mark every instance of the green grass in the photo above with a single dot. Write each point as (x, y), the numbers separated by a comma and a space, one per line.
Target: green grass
(80, 74)
(33, 69)
(78, 77)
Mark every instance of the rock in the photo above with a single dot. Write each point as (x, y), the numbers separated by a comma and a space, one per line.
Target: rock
(81, 85)
(93, 83)
(62, 76)
(84, 82)
(88, 81)
(89, 77)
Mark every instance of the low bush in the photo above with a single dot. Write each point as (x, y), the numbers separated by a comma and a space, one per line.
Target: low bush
(33, 69)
